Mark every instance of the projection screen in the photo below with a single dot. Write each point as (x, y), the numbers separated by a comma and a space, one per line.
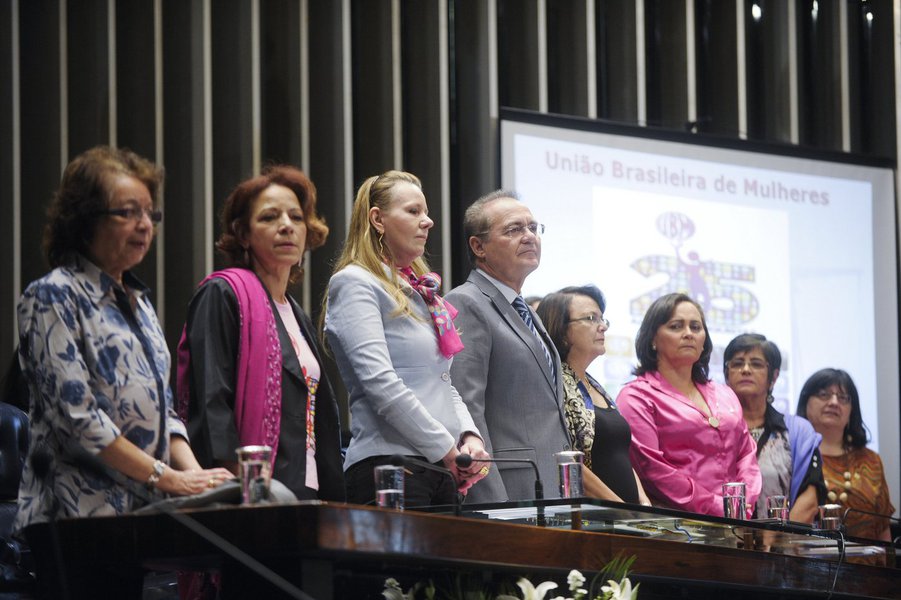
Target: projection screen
(799, 248)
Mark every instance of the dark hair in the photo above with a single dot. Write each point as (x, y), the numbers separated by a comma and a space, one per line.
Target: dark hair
(554, 313)
(475, 222)
(749, 341)
(660, 311)
(84, 194)
(235, 218)
(856, 434)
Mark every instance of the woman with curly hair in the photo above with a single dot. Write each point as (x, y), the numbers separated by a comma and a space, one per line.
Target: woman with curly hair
(250, 369)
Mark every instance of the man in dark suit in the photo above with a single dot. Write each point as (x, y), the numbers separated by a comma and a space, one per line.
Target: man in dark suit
(509, 372)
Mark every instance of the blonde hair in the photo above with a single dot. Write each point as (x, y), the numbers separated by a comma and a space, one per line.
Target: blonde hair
(363, 246)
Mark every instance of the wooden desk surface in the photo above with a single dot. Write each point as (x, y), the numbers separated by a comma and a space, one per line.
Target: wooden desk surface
(350, 533)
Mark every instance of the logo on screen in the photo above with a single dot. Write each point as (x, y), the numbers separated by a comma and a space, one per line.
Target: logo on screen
(713, 284)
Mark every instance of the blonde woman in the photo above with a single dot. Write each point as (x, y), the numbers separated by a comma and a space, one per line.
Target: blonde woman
(393, 339)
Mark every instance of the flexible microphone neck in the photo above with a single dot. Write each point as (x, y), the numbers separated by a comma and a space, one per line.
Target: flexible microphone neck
(464, 461)
(399, 460)
(851, 509)
(94, 465)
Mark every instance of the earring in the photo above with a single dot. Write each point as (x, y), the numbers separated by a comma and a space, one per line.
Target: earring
(381, 247)
(246, 258)
(654, 347)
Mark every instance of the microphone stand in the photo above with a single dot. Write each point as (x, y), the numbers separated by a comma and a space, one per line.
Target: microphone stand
(893, 543)
(91, 463)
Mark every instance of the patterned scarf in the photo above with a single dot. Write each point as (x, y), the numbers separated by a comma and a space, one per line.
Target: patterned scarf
(443, 313)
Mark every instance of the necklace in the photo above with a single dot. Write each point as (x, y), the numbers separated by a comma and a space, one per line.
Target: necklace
(838, 489)
(711, 420)
(756, 433)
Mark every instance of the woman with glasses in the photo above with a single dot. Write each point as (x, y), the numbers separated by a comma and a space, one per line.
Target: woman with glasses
(94, 356)
(574, 320)
(787, 453)
(854, 475)
(688, 435)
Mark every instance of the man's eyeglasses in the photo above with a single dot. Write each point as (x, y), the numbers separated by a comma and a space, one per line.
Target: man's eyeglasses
(843, 399)
(755, 364)
(519, 230)
(593, 320)
(135, 214)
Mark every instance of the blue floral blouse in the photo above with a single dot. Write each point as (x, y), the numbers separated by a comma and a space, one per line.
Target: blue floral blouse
(97, 366)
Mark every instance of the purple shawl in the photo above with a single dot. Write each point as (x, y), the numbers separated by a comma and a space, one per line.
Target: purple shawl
(258, 389)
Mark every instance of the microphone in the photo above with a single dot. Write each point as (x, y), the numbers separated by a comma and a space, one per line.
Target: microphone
(399, 460)
(465, 460)
(94, 465)
(851, 509)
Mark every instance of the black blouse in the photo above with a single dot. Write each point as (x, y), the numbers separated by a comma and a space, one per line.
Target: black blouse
(610, 453)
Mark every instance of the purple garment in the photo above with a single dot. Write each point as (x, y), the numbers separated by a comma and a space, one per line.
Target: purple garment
(804, 441)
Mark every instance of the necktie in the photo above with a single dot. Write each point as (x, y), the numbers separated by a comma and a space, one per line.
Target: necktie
(520, 305)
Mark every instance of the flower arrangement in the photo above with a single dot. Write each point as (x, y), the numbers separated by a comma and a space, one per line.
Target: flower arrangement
(615, 573)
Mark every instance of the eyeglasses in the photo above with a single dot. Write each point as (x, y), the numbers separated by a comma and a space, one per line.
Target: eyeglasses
(517, 231)
(594, 320)
(825, 396)
(755, 364)
(133, 213)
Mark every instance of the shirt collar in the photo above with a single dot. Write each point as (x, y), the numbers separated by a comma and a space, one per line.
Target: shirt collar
(100, 284)
(506, 291)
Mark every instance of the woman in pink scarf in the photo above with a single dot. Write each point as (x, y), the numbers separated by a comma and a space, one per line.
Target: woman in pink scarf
(249, 365)
(393, 338)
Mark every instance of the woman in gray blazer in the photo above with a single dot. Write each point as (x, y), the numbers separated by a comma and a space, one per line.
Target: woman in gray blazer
(393, 339)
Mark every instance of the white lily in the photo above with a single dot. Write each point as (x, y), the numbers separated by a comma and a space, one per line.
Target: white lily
(618, 591)
(575, 579)
(530, 592)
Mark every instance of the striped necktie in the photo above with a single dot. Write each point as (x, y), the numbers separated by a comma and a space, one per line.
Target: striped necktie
(520, 305)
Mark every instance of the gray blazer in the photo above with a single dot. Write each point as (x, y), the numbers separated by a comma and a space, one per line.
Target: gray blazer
(503, 376)
(400, 394)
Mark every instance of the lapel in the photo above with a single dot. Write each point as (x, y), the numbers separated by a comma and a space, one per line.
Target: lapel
(515, 322)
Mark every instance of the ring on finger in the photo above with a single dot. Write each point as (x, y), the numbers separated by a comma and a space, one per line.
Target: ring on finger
(483, 470)
(212, 482)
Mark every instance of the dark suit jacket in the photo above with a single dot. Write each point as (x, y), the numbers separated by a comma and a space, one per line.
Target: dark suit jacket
(213, 332)
(505, 380)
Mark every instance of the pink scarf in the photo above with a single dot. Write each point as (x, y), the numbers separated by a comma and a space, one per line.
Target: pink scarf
(443, 313)
(258, 389)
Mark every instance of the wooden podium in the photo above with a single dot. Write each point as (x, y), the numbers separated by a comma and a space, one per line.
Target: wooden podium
(323, 548)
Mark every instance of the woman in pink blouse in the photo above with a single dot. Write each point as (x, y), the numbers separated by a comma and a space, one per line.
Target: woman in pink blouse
(688, 434)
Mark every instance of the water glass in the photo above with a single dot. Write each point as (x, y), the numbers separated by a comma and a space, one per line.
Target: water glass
(389, 486)
(255, 470)
(777, 507)
(830, 516)
(569, 469)
(734, 506)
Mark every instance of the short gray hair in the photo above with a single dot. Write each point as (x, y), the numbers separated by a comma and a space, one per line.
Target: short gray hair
(475, 222)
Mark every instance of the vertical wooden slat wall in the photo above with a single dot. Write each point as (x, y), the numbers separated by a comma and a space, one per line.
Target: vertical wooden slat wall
(348, 88)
